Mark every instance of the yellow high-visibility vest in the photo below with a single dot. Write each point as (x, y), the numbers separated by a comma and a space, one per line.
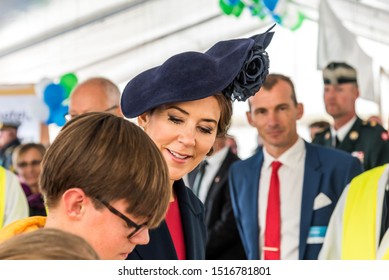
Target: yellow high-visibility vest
(2, 194)
(359, 237)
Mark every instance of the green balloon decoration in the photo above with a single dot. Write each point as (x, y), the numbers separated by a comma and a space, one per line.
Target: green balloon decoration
(281, 11)
(230, 9)
(300, 19)
(68, 81)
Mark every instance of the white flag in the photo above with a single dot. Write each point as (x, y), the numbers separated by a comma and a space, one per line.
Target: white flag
(336, 43)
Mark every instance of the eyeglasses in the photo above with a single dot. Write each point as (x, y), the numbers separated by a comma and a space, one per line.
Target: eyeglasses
(68, 117)
(33, 163)
(129, 223)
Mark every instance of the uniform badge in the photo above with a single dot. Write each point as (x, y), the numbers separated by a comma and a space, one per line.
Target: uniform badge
(354, 135)
(217, 179)
(327, 136)
(385, 136)
(359, 155)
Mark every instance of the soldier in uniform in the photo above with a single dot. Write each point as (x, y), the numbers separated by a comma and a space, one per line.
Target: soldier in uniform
(368, 141)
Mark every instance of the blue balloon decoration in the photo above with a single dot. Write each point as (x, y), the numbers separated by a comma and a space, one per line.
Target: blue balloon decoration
(270, 4)
(232, 2)
(277, 18)
(58, 115)
(53, 95)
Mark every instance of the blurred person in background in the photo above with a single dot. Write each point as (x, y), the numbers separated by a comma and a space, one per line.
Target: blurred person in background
(13, 202)
(47, 244)
(317, 127)
(96, 94)
(8, 142)
(231, 142)
(209, 181)
(367, 141)
(27, 160)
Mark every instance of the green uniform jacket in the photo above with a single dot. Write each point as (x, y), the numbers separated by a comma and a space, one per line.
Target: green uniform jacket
(367, 141)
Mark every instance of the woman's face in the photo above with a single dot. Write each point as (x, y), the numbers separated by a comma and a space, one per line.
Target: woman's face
(28, 167)
(183, 132)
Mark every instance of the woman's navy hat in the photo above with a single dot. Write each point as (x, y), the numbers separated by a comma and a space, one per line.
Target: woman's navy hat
(235, 67)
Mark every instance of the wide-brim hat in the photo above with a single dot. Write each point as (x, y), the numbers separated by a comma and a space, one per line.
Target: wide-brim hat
(235, 67)
(339, 73)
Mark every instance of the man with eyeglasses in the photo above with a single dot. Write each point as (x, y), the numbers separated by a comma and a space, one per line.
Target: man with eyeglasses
(365, 140)
(96, 185)
(96, 94)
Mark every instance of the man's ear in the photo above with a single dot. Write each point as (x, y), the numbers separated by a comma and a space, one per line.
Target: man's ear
(249, 119)
(74, 200)
(300, 110)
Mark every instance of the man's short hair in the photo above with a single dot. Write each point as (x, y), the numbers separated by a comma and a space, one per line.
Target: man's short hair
(339, 73)
(109, 158)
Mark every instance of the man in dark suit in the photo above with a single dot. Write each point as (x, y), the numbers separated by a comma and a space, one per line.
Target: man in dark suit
(310, 180)
(366, 140)
(223, 241)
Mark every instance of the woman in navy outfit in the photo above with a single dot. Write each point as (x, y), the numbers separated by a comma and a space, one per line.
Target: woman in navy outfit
(183, 105)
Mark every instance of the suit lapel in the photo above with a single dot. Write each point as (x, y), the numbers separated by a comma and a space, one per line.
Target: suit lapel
(311, 186)
(249, 203)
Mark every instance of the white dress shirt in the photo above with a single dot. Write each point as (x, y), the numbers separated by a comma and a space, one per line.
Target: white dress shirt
(342, 132)
(291, 174)
(214, 163)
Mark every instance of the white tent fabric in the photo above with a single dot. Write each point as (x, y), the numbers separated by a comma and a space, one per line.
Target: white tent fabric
(337, 43)
(119, 38)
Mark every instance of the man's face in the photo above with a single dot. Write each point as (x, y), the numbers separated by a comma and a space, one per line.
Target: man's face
(7, 135)
(274, 114)
(90, 98)
(340, 99)
(108, 233)
(106, 225)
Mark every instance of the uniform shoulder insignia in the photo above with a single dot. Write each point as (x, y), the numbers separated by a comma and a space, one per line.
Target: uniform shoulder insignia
(385, 136)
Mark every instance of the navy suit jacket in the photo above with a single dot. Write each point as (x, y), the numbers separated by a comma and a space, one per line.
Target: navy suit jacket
(326, 171)
(161, 246)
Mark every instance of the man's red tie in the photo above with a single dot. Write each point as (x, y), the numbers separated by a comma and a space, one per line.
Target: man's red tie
(272, 248)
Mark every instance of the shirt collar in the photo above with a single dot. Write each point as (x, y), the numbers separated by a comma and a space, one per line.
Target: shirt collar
(217, 157)
(288, 158)
(342, 132)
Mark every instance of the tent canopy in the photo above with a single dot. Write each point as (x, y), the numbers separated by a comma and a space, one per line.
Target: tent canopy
(119, 38)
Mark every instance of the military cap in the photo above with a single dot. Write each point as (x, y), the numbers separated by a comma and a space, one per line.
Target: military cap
(235, 67)
(339, 73)
(4, 124)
